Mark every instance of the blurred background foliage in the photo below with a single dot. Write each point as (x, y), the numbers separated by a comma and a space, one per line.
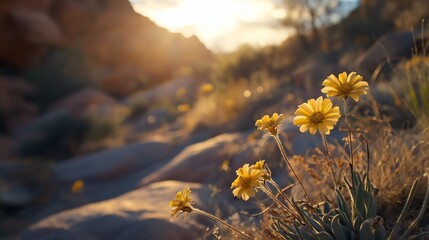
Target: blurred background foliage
(78, 77)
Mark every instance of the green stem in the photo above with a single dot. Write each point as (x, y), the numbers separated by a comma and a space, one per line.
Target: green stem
(282, 150)
(285, 197)
(405, 209)
(266, 191)
(350, 141)
(196, 210)
(368, 156)
(419, 216)
(329, 159)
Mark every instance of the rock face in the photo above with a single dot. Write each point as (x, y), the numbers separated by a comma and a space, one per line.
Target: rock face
(179, 90)
(310, 76)
(15, 110)
(55, 134)
(83, 100)
(387, 48)
(141, 214)
(119, 45)
(119, 162)
(205, 156)
(93, 104)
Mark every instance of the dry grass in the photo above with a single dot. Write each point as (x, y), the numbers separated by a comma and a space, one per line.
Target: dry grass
(397, 158)
(228, 104)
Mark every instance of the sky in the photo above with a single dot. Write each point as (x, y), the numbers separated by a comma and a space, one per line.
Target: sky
(222, 25)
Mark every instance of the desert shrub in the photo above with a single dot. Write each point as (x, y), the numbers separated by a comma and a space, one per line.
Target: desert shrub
(57, 135)
(417, 76)
(234, 100)
(241, 64)
(347, 184)
(62, 73)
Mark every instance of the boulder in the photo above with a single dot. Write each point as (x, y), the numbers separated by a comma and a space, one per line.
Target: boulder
(102, 115)
(199, 162)
(141, 213)
(387, 48)
(16, 195)
(21, 184)
(178, 90)
(15, 110)
(113, 163)
(390, 106)
(311, 76)
(7, 143)
(109, 35)
(68, 13)
(123, 81)
(83, 100)
(28, 32)
(93, 104)
(56, 134)
(36, 27)
(154, 119)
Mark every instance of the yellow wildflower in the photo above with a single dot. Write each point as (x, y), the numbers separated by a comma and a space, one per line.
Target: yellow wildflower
(317, 115)
(77, 186)
(270, 124)
(183, 108)
(181, 203)
(206, 88)
(260, 165)
(344, 86)
(246, 183)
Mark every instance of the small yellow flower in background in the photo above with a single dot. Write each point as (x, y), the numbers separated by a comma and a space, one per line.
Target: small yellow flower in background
(246, 183)
(317, 115)
(77, 186)
(181, 203)
(270, 124)
(206, 88)
(225, 166)
(183, 108)
(344, 86)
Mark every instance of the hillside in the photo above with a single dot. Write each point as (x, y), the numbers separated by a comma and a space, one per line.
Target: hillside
(104, 117)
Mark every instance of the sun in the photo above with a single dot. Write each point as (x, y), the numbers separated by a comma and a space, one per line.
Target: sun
(223, 24)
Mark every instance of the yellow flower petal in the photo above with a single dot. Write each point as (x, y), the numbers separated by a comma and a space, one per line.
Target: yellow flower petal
(317, 115)
(247, 182)
(351, 85)
(270, 123)
(181, 203)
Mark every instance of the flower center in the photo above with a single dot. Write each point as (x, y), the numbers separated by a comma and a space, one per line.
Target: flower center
(245, 182)
(344, 88)
(316, 117)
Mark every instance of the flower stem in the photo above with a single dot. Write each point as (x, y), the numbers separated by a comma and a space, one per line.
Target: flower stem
(196, 210)
(350, 141)
(282, 150)
(329, 158)
(367, 158)
(284, 196)
(277, 187)
(266, 191)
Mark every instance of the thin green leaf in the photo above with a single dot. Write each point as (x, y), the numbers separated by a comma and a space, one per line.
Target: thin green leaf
(340, 232)
(365, 231)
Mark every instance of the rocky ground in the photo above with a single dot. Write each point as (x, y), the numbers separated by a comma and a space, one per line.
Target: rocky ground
(135, 135)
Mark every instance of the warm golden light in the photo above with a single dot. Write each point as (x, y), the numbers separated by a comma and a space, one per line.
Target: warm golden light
(222, 25)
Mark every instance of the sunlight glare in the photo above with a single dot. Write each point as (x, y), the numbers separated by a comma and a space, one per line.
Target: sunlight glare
(220, 24)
